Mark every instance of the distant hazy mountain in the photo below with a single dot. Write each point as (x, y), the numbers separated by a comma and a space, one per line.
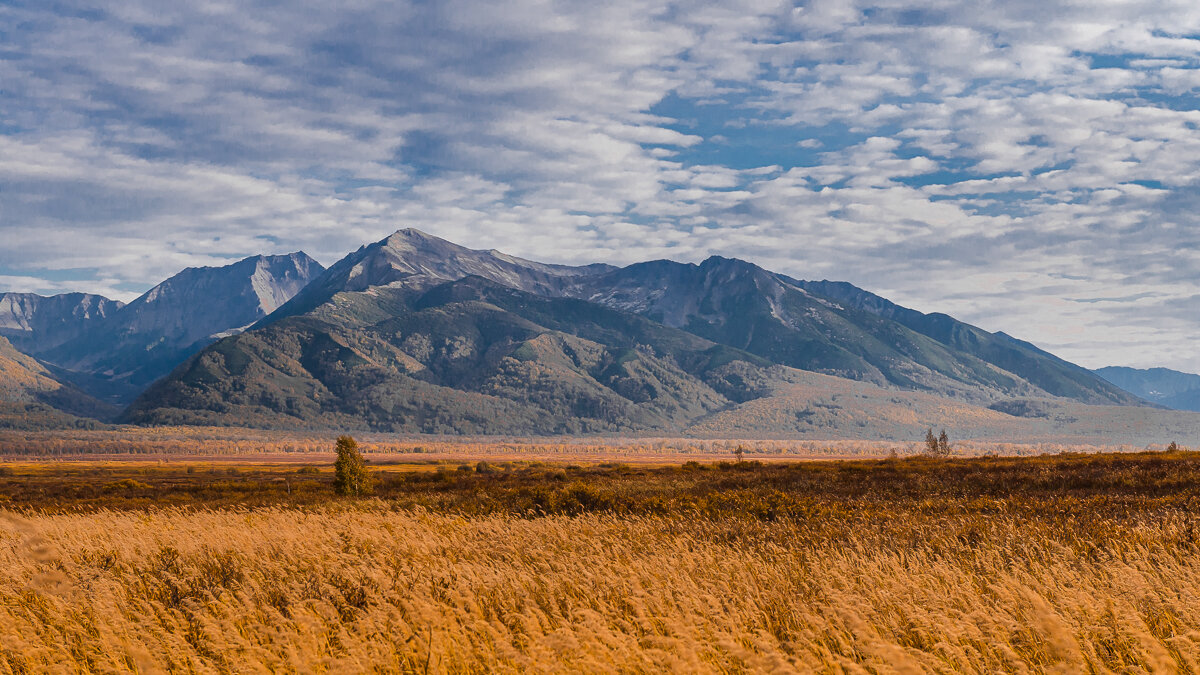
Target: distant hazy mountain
(414, 333)
(1164, 386)
(36, 324)
(31, 396)
(144, 340)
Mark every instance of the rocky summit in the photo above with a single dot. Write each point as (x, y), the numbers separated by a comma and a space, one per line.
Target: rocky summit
(36, 324)
(128, 349)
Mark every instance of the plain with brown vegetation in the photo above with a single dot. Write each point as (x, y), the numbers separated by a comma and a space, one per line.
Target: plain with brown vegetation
(1069, 563)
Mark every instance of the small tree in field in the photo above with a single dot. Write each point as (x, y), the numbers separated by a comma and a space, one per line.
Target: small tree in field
(350, 469)
(938, 446)
(931, 442)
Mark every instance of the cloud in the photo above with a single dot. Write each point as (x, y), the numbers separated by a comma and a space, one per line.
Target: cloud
(998, 161)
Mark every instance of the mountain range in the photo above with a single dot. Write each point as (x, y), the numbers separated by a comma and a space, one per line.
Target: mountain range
(114, 350)
(417, 334)
(36, 324)
(1170, 388)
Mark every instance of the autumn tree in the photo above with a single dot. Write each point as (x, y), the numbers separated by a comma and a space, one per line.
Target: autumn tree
(350, 470)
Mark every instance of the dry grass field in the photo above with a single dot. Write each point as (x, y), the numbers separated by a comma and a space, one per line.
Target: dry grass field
(1061, 563)
(232, 444)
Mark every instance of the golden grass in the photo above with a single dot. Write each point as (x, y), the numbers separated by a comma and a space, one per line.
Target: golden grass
(1070, 564)
(366, 588)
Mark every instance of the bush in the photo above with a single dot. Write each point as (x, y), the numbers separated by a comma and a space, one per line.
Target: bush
(127, 484)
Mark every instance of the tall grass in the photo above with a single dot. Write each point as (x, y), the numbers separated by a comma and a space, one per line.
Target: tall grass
(1067, 563)
(976, 584)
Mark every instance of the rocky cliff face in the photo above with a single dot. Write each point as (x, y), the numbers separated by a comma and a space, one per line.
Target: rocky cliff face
(148, 337)
(36, 324)
(415, 260)
(202, 302)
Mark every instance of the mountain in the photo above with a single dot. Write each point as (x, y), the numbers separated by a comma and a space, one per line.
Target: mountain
(31, 396)
(466, 356)
(35, 324)
(1040, 368)
(1170, 388)
(144, 340)
(818, 326)
(840, 330)
(417, 261)
(416, 334)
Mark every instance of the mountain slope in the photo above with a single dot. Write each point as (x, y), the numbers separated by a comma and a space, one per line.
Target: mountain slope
(1171, 388)
(36, 324)
(1038, 367)
(820, 326)
(412, 259)
(31, 396)
(467, 356)
(151, 335)
(773, 316)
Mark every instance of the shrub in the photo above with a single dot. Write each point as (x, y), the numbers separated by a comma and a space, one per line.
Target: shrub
(127, 484)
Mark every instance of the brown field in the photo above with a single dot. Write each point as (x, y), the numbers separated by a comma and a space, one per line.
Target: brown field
(1057, 563)
(256, 446)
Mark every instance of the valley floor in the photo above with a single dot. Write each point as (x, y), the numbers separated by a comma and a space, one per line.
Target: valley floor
(1070, 562)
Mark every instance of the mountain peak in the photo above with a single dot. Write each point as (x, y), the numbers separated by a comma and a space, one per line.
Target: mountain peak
(415, 233)
(412, 237)
(418, 260)
(731, 264)
(36, 323)
(149, 336)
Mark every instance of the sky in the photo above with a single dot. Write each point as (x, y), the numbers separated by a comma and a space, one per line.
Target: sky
(1030, 167)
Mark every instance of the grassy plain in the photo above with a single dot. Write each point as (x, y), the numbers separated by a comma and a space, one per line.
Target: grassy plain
(1068, 562)
(256, 446)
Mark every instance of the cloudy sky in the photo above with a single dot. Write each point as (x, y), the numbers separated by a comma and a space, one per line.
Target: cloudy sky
(1028, 166)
